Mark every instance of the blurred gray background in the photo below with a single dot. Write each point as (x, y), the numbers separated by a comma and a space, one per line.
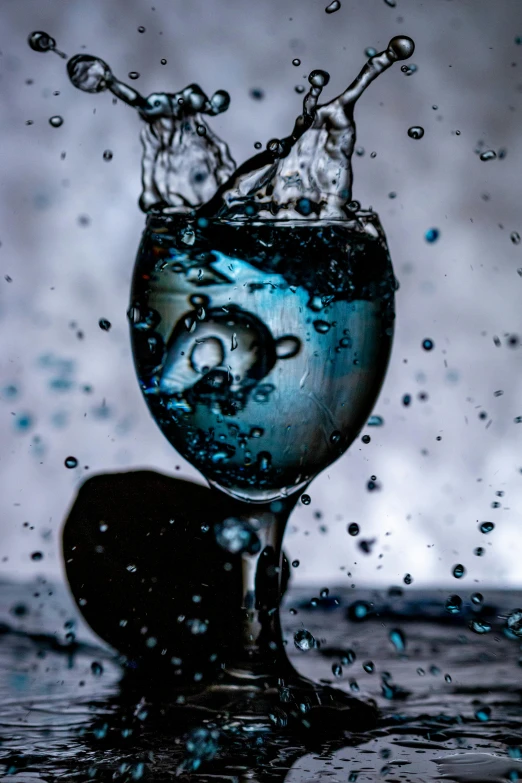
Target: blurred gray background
(70, 226)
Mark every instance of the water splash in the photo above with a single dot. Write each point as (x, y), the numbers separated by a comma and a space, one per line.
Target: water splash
(184, 161)
(309, 172)
(185, 166)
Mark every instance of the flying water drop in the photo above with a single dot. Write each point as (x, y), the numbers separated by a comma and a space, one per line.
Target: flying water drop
(304, 640)
(333, 7)
(416, 132)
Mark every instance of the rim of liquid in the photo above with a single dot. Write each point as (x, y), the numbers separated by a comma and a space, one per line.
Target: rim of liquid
(360, 222)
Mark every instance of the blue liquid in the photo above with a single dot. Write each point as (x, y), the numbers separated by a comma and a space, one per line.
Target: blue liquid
(261, 347)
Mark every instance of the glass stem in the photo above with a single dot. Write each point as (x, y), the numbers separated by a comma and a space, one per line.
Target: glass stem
(258, 652)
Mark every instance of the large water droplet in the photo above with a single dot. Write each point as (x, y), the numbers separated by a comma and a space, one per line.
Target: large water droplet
(56, 121)
(514, 622)
(88, 73)
(479, 626)
(71, 462)
(416, 132)
(304, 640)
(333, 7)
(459, 571)
(402, 46)
(487, 527)
(488, 155)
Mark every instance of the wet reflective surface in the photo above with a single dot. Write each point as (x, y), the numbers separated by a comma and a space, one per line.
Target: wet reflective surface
(449, 697)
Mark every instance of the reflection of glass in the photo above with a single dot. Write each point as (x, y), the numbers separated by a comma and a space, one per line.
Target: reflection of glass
(261, 348)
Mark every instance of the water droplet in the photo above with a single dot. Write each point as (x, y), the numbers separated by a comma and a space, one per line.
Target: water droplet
(295, 564)
(428, 344)
(306, 500)
(515, 238)
(187, 236)
(408, 579)
(409, 70)
(453, 604)
(201, 130)
(333, 7)
(141, 29)
(71, 462)
(257, 145)
(131, 568)
(487, 527)
(514, 622)
(483, 714)
(406, 400)
(375, 421)
(366, 439)
(41, 42)
(107, 155)
(322, 327)
(447, 677)
(391, 3)
(287, 347)
(337, 670)
(479, 551)
(104, 324)
(304, 640)
(369, 667)
(237, 535)
(370, 51)
(335, 437)
(398, 639)
(459, 571)
(133, 75)
(96, 669)
(296, 61)
(163, 61)
(353, 529)
(431, 235)
(416, 132)
(56, 121)
(488, 155)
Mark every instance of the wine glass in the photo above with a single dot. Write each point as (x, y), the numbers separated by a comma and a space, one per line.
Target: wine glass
(260, 348)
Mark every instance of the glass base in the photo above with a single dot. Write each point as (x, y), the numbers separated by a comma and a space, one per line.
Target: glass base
(295, 704)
